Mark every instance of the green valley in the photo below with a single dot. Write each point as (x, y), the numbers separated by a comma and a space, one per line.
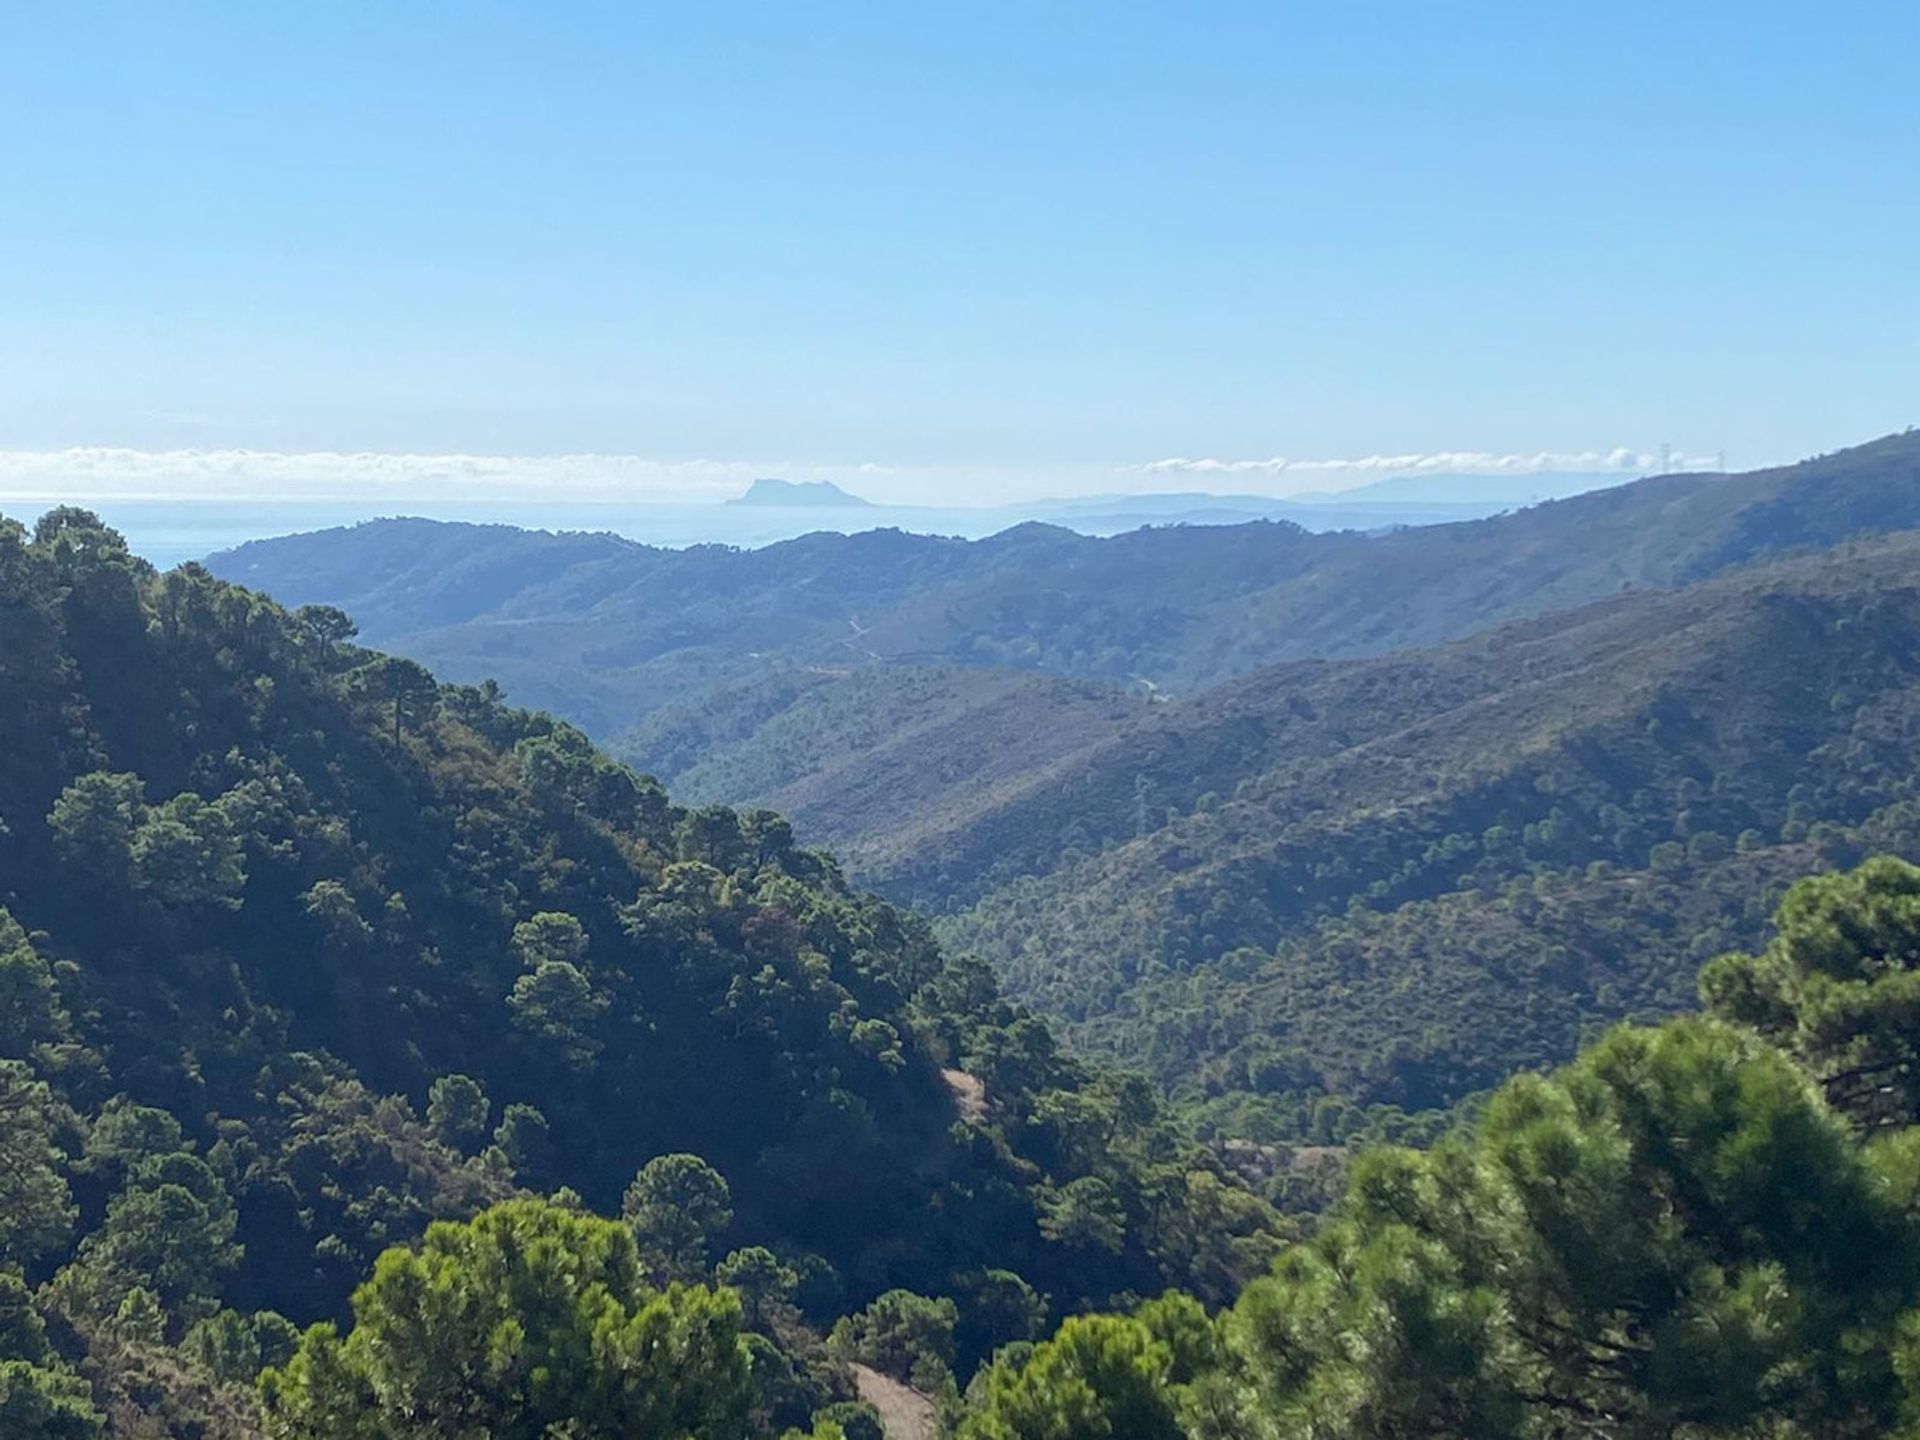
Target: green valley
(1304, 894)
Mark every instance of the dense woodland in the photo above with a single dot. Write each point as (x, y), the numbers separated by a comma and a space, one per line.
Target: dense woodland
(304, 952)
(1328, 899)
(1708, 1229)
(1436, 868)
(379, 1060)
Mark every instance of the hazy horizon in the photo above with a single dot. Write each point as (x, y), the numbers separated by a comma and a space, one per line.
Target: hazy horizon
(189, 504)
(103, 473)
(172, 526)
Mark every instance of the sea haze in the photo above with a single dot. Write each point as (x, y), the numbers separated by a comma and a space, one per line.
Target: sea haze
(171, 531)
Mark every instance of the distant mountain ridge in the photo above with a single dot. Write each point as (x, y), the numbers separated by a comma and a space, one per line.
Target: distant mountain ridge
(1524, 488)
(606, 631)
(171, 531)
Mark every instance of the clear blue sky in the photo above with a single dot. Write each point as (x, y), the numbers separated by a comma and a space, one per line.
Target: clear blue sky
(1013, 236)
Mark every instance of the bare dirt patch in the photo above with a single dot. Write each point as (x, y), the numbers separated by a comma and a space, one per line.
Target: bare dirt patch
(969, 1095)
(905, 1414)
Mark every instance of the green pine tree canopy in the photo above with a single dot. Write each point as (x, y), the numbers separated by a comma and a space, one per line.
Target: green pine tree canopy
(379, 1061)
(302, 953)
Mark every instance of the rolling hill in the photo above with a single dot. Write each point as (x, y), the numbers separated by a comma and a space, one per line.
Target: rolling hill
(1421, 872)
(605, 632)
(1172, 877)
(1238, 803)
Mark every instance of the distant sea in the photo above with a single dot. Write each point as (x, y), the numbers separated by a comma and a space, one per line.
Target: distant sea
(168, 532)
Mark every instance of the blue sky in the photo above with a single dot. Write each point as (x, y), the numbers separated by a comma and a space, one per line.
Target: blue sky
(1032, 246)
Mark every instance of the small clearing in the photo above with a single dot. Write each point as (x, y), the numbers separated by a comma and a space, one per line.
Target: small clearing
(969, 1095)
(905, 1414)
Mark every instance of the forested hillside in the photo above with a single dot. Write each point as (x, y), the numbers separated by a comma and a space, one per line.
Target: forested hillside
(302, 951)
(605, 632)
(886, 762)
(1330, 884)
(1399, 880)
(305, 951)
(1391, 882)
(1705, 1230)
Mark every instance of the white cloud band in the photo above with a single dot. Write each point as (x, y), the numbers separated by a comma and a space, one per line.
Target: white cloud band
(110, 473)
(1445, 462)
(101, 474)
